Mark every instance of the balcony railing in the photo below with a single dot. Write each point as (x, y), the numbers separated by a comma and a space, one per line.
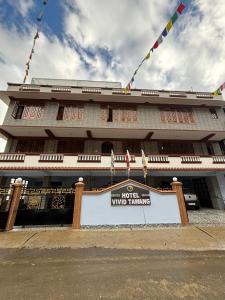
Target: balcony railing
(51, 157)
(218, 159)
(18, 157)
(190, 159)
(9, 161)
(158, 159)
(122, 158)
(88, 158)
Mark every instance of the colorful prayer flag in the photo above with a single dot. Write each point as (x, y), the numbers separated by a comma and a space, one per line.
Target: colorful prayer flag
(160, 40)
(127, 160)
(169, 25)
(174, 17)
(112, 163)
(144, 164)
(40, 16)
(36, 35)
(148, 55)
(180, 8)
(164, 33)
(156, 45)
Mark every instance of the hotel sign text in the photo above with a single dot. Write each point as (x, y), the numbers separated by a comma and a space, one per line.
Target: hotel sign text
(130, 195)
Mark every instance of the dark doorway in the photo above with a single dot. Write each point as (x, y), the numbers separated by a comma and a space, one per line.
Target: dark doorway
(201, 190)
(107, 147)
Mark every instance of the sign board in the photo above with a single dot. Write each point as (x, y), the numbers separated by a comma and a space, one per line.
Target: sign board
(130, 195)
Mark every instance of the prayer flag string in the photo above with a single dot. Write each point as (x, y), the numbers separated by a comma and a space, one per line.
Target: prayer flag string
(219, 90)
(159, 41)
(36, 36)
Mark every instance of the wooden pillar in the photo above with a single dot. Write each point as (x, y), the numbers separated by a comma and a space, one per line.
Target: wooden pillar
(79, 188)
(177, 187)
(14, 204)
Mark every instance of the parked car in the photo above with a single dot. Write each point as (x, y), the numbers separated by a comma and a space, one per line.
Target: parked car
(191, 200)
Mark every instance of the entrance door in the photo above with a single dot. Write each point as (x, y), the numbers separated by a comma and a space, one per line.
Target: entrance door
(201, 190)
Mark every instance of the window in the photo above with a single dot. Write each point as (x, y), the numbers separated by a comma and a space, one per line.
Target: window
(70, 146)
(72, 112)
(175, 148)
(107, 147)
(27, 112)
(182, 116)
(132, 146)
(30, 146)
(118, 114)
(213, 113)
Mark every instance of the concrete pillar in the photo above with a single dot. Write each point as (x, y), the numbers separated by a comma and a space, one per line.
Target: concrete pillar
(216, 148)
(221, 183)
(14, 204)
(177, 187)
(79, 188)
(216, 187)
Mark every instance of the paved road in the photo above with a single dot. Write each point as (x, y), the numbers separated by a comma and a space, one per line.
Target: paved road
(97, 273)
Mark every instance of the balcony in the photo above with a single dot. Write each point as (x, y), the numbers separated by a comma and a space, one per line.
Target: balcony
(21, 161)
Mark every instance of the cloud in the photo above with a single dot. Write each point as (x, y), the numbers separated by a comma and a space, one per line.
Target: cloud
(22, 6)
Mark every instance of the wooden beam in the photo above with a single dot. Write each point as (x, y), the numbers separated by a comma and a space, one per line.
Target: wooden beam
(148, 136)
(50, 134)
(205, 139)
(6, 134)
(89, 134)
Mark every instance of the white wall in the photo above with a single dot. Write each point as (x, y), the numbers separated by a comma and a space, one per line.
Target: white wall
(97, 210)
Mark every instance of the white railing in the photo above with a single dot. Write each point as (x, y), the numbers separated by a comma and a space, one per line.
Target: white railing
(51, 157)
(204, 95)
(29, 88)
(149, 93)
(120, 92)
(190, 159)
(218, 159)
(122, 158)
(181, 95)
(12, 157)
(92, 90)
(158, 159)
(89, 158)
(62, 90)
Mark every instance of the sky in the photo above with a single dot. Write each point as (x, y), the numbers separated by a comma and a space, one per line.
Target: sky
(106, 40)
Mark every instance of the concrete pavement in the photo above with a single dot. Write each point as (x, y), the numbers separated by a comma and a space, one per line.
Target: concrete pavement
(199, 238)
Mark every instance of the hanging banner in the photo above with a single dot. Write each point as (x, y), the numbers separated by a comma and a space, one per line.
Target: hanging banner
(159, 41)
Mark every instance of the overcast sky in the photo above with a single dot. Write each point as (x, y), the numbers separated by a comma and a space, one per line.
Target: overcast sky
(105, 40)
